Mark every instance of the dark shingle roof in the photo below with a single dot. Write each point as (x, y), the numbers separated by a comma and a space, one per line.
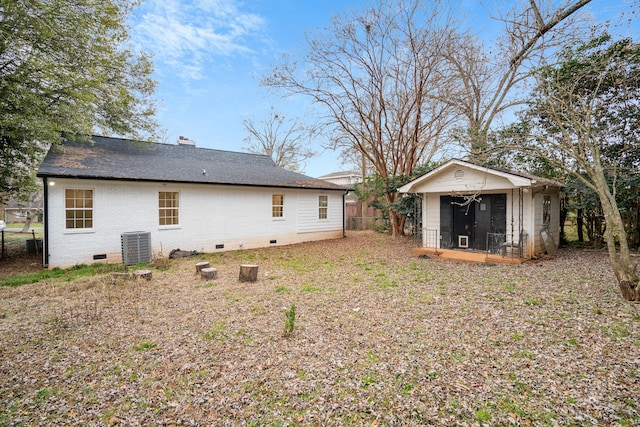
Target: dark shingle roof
(120, 159)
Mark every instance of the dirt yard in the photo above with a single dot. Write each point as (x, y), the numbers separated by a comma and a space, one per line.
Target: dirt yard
(381, 338)
(15, 258)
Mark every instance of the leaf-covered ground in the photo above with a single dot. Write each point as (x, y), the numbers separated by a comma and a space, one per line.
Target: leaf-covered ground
(381, 337)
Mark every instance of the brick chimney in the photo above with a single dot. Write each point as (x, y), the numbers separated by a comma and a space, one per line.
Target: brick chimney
(186, 141)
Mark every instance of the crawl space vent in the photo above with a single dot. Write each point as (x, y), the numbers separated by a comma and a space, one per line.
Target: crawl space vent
(136, 247)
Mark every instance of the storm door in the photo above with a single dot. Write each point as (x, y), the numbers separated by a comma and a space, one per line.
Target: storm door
(446, 222)
(463, 221)
(491, 220)
(456, 222)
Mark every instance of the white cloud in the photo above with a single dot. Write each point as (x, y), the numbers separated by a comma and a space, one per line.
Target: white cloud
(185, 35)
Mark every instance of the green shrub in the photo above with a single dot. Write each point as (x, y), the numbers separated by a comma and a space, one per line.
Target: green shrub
(289, 320)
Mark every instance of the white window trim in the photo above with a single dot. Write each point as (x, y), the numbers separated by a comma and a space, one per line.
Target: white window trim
(169, 226)
(64, 208)
(546, 209)
(79, 231)
(326, 208)
(278, 218)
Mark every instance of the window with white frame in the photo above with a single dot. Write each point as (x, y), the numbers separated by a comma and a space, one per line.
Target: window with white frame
(168, 208)
(78, 206)
(277, 205)
(546, 210)
(323, 206)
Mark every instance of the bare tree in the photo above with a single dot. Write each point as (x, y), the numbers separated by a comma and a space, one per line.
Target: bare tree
(380, 82)
(281, 139)
(584, 118)
(34, 204)
(492, 82)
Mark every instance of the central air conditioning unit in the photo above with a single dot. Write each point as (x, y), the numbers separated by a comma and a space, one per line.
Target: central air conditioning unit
(136, 247)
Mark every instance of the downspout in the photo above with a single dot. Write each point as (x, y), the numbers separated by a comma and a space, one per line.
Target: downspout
(45, 220)
(344, 213)
(524, 245)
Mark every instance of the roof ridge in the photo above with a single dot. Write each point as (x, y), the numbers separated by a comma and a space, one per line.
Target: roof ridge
(167, 144)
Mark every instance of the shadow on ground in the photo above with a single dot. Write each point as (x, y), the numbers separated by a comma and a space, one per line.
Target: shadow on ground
(15, 259)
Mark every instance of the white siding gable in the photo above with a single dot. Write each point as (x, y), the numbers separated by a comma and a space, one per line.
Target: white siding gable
(461, 179)
(308, 210)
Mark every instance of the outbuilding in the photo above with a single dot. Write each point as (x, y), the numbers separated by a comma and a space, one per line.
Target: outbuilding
(107, 198)
(474, 212)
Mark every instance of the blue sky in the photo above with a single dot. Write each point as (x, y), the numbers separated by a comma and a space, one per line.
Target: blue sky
(210, 55)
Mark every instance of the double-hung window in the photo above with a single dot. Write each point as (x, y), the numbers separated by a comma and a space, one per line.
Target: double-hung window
(168, 208)
(78, 206)
(546, 210)
(277, 205)
(323, 206)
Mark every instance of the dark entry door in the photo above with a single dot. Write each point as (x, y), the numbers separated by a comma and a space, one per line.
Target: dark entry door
(483, 222)
(491, 217)
(463, 220)
(446, 222)
(456, 219)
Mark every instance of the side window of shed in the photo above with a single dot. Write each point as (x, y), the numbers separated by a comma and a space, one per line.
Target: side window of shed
(546, 210)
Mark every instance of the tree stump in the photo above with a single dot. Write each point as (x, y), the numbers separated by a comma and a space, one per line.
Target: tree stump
(201, 265)
(208, 273)
(248, 273)
(142, 274)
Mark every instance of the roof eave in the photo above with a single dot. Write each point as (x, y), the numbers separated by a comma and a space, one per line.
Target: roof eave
(514, 179)
(235, 184)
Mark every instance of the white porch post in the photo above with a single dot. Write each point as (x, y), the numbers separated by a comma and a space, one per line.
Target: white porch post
(424, 220)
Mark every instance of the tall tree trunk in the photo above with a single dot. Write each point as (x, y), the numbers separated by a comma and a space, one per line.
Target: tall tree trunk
(580, 225)
(478, 144)
(635, 222)
(563, 217)
(627, 274)
(625, 269)
(397, 223)
(27, 222)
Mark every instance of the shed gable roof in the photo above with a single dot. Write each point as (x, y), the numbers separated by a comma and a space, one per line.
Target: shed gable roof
(120, 159)
(450, 176)
(340, 174)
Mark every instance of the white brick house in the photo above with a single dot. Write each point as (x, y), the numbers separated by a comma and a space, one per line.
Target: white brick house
(183, 196)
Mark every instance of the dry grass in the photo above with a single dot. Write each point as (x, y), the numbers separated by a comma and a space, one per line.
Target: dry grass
(381, 337)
